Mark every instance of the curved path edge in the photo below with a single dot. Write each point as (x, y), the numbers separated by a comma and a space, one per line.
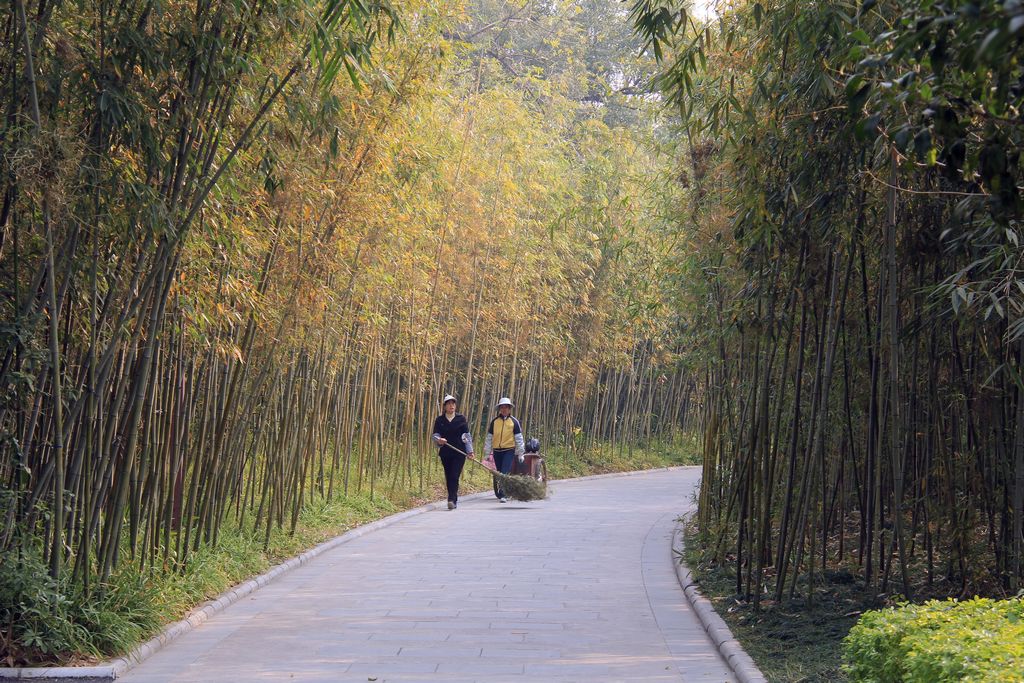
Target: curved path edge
(114, 668)
(730, 649)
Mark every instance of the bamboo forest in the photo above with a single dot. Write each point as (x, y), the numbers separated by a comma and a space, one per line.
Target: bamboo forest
(246, 246)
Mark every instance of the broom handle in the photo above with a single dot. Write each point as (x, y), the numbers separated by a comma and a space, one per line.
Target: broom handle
(461, 452)
(478, 464)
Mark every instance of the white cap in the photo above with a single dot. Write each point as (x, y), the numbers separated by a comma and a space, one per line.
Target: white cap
(505, 401)
(449, 397)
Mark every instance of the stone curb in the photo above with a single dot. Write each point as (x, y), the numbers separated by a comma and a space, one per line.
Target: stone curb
(116, 667)
(731, 650)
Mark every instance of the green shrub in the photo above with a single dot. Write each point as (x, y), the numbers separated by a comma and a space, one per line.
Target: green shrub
(55, 620)
(971, 641)
(34, 610)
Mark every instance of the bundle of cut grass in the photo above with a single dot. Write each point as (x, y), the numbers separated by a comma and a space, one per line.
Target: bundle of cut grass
(516, 486)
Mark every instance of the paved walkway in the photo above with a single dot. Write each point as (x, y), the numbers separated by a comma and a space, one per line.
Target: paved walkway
(579, 587)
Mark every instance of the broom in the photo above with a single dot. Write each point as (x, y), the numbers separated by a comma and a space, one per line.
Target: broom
(514, 486)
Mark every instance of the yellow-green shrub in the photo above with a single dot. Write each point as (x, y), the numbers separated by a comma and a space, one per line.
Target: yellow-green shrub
(948, 640)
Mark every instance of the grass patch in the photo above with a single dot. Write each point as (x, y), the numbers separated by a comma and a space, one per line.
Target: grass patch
(798, 642)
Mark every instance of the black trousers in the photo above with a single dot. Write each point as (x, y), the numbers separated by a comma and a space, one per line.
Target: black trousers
(453, 464)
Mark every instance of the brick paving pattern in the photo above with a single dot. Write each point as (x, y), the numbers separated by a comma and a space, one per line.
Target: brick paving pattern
(579, 587)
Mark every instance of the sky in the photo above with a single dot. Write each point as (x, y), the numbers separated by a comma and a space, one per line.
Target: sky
(703, 9)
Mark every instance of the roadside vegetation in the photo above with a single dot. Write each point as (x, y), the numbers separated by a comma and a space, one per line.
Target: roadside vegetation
(854, 300)
(800, 641)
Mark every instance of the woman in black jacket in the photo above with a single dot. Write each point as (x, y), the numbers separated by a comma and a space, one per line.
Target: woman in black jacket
(451, 427)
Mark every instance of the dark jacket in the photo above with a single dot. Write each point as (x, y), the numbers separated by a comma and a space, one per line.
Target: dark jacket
(453, 431)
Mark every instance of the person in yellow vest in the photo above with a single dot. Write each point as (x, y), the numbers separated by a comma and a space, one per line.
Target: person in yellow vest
(504, 441)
